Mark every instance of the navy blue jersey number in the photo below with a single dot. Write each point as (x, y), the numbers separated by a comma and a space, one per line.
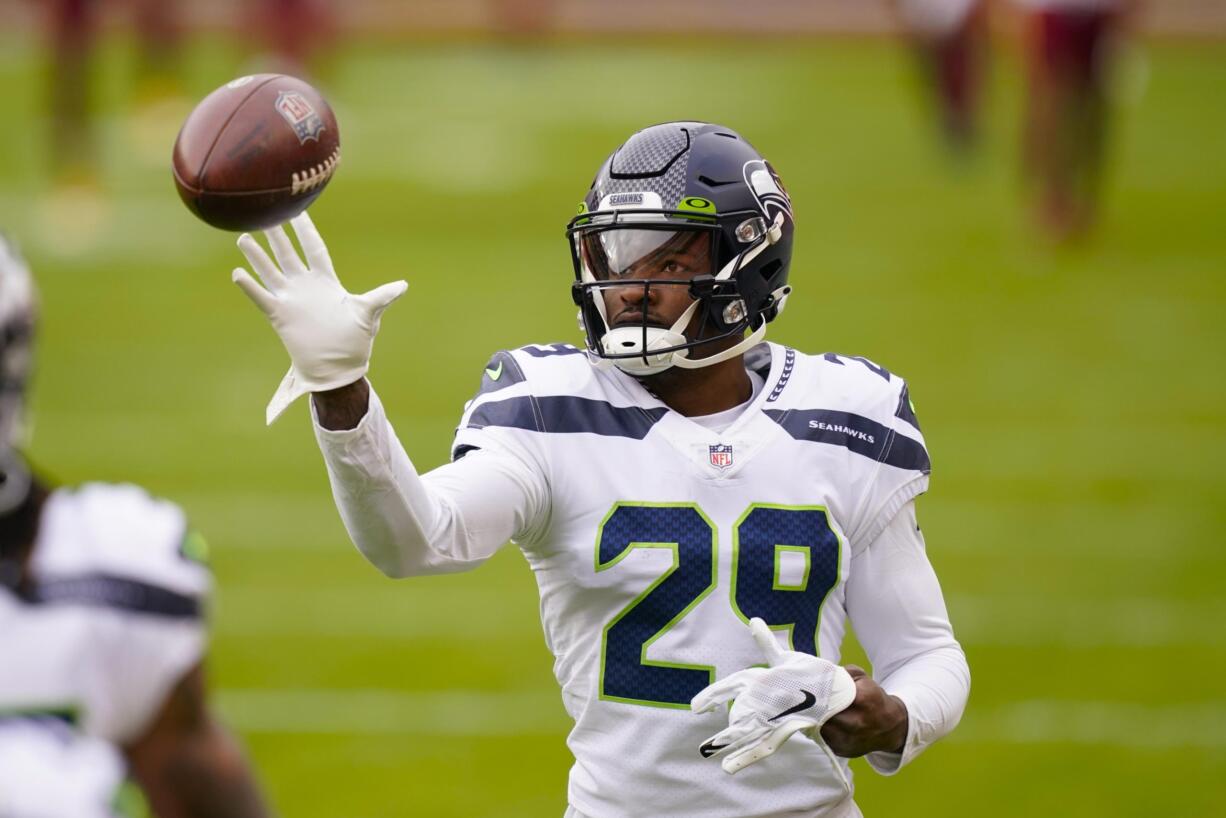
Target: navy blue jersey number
(627, 675)
(786, 562)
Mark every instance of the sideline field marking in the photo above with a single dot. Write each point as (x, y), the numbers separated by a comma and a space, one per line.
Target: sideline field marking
(482, 713)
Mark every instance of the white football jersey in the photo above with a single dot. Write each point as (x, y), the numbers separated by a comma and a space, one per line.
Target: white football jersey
(114, 618)
(50, 770)
(663, 538)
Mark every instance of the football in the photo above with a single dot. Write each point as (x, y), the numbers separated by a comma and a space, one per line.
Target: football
(256, 152)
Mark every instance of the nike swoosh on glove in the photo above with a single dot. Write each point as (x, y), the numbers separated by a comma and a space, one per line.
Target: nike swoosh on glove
(327, 330)
(795, 692)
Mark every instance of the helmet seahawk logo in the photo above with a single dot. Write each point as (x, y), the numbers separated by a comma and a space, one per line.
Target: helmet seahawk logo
(300, 115)
(720, 456)
(767, 189)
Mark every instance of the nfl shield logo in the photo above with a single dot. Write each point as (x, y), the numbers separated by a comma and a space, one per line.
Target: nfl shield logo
(720, 455)
(300, 115)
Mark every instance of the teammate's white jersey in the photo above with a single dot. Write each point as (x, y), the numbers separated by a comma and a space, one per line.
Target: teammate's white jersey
(654, 539)
(113, 619)
(48, 769)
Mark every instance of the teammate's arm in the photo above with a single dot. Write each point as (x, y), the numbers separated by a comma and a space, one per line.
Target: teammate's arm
(188, 765)
(895, 604)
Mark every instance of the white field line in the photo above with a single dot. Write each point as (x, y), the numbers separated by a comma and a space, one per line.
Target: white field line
(479, 713)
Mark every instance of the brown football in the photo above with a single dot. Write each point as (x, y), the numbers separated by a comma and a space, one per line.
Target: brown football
(256, 152)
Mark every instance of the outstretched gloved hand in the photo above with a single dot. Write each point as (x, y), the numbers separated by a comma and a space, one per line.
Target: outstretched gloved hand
(327, 331)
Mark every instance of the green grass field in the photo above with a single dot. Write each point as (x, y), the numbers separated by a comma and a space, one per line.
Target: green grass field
(1072, 401)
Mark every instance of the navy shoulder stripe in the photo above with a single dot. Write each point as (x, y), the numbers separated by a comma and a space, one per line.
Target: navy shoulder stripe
(565, 414)
(905, 410)
(879, 371)
(107, 591)
(853, 432)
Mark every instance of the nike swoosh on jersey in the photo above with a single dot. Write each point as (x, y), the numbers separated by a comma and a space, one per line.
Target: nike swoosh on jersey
(495, 373)
(805, 704)
(710, 749)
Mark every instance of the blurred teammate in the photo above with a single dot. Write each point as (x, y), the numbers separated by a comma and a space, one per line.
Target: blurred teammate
(101, 633)
(678, 480)
(1069, 60)
(951, 39)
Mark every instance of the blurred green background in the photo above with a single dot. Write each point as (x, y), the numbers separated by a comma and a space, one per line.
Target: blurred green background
(1072, 400)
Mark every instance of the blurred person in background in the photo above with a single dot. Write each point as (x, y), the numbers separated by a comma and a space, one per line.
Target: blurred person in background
(102, 633)
(1070, 47)
(286, 33)
(950, 38)
(73, 27)
(523, 19)
(289, 32)
(674, 482)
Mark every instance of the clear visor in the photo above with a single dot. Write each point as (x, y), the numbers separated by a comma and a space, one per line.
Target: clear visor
(636, 253)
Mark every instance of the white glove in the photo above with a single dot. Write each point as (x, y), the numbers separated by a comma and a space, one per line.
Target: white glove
(795, 692)
(327, 331)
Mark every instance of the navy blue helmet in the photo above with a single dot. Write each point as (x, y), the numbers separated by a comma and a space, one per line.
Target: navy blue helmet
(682, 204)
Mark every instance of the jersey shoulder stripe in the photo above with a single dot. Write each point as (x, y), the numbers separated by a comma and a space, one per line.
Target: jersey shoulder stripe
(905, 410)
(116, 543)
(566, 414)
(850, 401)
(105, 591)
(854, 432)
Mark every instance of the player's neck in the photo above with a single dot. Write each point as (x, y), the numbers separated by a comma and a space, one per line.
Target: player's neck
(705, 391)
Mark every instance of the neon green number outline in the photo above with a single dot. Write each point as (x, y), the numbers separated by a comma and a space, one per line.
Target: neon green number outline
(736, 561)
(674, 547)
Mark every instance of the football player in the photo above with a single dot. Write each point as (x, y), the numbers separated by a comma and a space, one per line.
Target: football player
(705, 512)
(1069, 50)
(950, 38)
(101, 633)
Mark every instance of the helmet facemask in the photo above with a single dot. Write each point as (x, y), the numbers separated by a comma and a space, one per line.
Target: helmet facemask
(643, 252)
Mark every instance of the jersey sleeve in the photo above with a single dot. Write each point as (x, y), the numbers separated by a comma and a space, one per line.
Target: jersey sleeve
(902, 464)
(450, 519)
(501, 422)
(144, 572)
(898, 611)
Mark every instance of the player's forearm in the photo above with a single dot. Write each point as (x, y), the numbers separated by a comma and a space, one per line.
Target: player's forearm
(342, 408)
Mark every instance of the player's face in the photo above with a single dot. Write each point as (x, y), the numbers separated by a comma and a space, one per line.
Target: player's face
(666, 259)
